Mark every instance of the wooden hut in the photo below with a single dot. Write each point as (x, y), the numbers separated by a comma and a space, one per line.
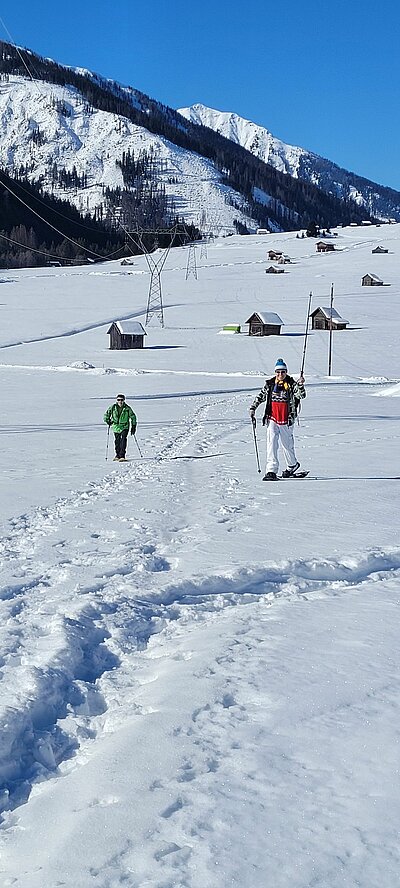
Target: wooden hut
(380, 250)
(371, 280)
(273, 270)
(322, 317)
(126, 334)
(322, 247)
(274, 254)
(283, 260)
(264, 323)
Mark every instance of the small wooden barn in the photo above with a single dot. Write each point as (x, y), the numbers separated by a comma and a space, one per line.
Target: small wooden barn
(126, 334)
(283, 260)
(273, 270)
(371, 280)
(321, 319)
(380, 250)
(274, 254)
(322, 247)
(264, 323)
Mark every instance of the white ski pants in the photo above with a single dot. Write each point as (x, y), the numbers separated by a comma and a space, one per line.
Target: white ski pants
(284, 434)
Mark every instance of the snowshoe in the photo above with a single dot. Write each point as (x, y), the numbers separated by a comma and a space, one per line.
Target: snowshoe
(290, 470)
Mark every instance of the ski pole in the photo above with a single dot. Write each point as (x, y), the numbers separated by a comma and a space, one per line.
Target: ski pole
(255, 444)
(137, 445)
(108, 438)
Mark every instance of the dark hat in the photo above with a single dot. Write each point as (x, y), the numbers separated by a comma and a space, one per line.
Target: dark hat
(120, 397)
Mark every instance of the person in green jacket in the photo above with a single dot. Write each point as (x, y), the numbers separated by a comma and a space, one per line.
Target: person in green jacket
(120, 416)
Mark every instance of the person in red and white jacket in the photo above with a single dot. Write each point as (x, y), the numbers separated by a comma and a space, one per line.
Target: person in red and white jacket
(282, 395)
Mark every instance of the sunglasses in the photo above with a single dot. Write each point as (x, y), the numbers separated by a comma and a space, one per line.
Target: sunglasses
(121, 400)
(280, 371)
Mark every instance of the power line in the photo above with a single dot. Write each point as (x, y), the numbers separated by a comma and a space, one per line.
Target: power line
(13, 43)
(65, 236)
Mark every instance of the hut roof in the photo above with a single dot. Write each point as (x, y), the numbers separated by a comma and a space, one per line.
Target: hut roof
(267, 317)
(329, 312)
(373, 277)
(132, 328)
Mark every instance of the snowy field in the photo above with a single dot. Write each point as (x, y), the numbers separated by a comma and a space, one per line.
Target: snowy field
(200, 671)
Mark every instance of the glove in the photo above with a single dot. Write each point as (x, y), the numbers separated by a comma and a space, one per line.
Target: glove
(253, 416)
(133, 430)
(109, 423)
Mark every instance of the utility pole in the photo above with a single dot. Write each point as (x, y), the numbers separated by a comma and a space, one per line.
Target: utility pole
(330, 334)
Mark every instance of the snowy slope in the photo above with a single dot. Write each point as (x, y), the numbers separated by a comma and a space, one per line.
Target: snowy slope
(199, 671)
(92, 141)
(256, 139)
(297, 162)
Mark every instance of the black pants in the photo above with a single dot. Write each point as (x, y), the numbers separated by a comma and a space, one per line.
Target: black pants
(120, 443)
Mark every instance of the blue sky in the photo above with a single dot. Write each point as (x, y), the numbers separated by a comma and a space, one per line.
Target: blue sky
(323, 75)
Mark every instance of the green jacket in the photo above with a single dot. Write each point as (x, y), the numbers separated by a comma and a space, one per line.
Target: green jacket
(120, 418)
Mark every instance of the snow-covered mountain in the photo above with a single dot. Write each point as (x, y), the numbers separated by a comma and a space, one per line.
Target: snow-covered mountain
(297, 162)
(46, 128)
(82, 136)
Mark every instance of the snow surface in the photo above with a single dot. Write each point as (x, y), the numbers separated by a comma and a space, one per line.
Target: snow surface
(199, 671)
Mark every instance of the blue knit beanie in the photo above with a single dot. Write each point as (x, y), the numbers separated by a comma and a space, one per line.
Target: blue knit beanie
(280, 364)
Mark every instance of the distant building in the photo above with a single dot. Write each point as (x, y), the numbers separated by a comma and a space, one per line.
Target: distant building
(126, 334)
(321, 319)
(283, 260)
(380, 250)
(262, 231)
(272, 270)
(264, 323)
(274, 254)
(322, 247)
(371, 280)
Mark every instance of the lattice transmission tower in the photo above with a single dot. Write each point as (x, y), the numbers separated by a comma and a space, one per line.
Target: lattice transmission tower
(191, 265)
(155, 263)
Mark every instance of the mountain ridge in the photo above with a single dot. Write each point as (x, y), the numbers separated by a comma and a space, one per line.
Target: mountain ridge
(81, 136)
(300, 163)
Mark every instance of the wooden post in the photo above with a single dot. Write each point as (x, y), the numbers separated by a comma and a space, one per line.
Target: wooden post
(330, 335)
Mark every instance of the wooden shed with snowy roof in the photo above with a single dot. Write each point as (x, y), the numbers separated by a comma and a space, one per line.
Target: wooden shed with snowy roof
(264, 323)
(322, 247)
(273, 270)
(322, 318)
(380, 250)
(126, 334)
(371, 280)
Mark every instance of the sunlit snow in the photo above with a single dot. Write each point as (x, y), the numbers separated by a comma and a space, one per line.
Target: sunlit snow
(199, 670)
